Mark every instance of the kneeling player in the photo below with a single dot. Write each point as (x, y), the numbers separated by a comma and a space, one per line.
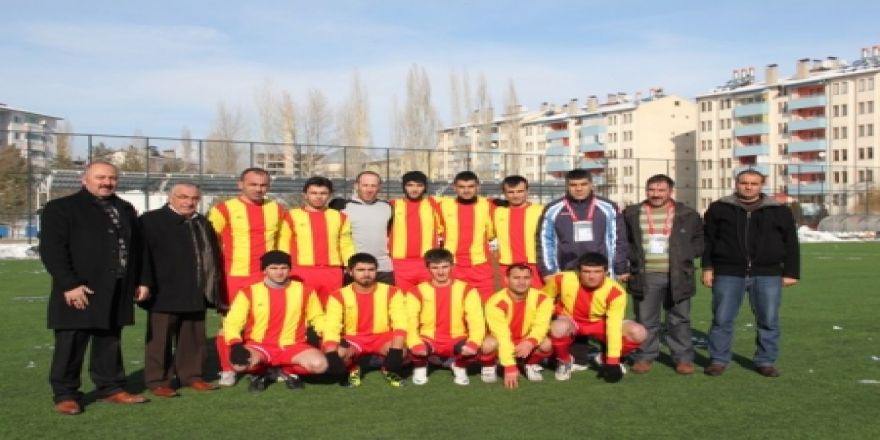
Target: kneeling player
(518, 318)
(266, 326)
(592, 304)
(371, 317)
(445, 319)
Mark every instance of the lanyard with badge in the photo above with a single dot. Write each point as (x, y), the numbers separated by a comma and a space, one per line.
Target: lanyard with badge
(583, 229)
(658, 243)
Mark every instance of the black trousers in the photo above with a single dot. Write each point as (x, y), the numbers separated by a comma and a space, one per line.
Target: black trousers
(105, 362)
(176, 345)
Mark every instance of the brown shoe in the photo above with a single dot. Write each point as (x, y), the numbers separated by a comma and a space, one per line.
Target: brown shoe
(124, 398)
(715, 370)
(685, 368)
(68, 407)
(641, 367)
(201, 385)
(164, 392)
(768, 371)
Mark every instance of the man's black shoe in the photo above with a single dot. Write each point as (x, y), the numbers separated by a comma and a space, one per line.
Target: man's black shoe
(258, 384)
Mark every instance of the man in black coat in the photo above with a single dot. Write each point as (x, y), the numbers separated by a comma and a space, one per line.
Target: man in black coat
(89, 243)
(181, 264)
(665, 237)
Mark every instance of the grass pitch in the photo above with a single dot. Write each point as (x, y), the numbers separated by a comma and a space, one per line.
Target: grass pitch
(829, 388)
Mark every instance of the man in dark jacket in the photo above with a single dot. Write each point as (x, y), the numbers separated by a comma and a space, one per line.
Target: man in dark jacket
(665, 237)
(181, 269)
(751, 246)
(89, 243)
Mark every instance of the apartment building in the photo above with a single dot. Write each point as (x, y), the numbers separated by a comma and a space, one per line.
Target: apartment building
(621, 141)
(25, 129)
(812, 134)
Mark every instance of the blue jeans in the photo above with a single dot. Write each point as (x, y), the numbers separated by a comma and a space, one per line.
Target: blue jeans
(765, 297)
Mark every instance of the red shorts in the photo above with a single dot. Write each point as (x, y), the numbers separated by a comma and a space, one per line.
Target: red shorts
(443, 347)
(370, 344)
(237, 284)
(479, 276)
(324, 279)
(410, 272)
(537, 281)
(596, 330)
(277, 356)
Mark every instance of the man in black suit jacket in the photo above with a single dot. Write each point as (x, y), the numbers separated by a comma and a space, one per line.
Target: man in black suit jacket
(181, 267)
(89, 244)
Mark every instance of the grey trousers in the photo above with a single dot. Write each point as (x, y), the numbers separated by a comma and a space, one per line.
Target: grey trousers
(678, 321)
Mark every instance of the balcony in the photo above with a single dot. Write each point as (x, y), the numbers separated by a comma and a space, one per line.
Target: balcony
(493, 137)
(807, 189)
(806, 124)
(559, 150)
(807, 102)
(598, 179)
(752, 150)
(805, 146)
(807, 168)
(763, 169)
(752, 129)
(592, 164)
(558, 166)
(753, 109)
(592, 130)
(557, 135)
(591, 147)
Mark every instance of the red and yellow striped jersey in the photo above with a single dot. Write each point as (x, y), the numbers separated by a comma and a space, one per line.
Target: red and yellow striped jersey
(516, 229)
(273, 316)
(604, 304)
(316, 238)
(510, 321)
(446, 312)
(246, 231)
(416, 227)
(350, 313)
(468, 229)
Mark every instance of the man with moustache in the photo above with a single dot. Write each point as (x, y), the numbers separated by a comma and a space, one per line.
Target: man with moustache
(181, 267)
(90, 245)
(751, 246)
(665, 237)
(516, 225)
(416, 227)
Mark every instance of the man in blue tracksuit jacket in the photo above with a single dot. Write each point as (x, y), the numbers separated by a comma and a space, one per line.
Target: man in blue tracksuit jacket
(578, 223)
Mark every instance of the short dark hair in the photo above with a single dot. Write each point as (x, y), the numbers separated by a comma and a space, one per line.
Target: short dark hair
(578, 174)
(362, 257)
(466, 176)
(256, 170)
(514, 180)
(366, 172)
(438, 255)
(318, 181)
(753, 172)
(592, 259)
(660, 178)
(519, 266)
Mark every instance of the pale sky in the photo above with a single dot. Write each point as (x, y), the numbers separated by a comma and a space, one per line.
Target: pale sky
(154, 67)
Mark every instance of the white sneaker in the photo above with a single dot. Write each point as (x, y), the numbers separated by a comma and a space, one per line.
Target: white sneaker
(420, 375)
(489, 374)
(533, 372)
(579, 367)
(459, 375)
(227, 379)
(563, 371)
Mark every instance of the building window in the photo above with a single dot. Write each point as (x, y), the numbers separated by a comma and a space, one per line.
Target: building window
(843, 88)
(861, 85)
(835, 88)
(869, 153)
(870, 83)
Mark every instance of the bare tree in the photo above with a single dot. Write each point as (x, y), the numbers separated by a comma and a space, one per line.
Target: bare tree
(186, 150)
(455, 98)
(287, 123)
(418, 122)
(221, 154)
(512, 125)
(317, 128)
(354, 126)
(266, 110)
(62, 159)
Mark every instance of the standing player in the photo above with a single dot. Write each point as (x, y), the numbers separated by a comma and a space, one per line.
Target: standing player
(318, 239)
(445, 318)
(248, 227)
(592, 304)
(516, 226)
(518, 318)
(371, 317)
(416, 227)
(266, 326)
(468, 227)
